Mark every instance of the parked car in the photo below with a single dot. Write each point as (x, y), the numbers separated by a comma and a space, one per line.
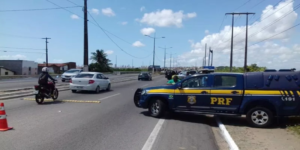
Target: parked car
(261, 96)
(145, 76)
(90, 81)
(70, 74)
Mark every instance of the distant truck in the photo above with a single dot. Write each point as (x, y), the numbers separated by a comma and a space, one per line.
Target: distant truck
(156, 68)
(260, 96)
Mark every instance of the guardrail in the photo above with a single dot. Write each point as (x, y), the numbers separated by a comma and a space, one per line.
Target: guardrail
(54, 75)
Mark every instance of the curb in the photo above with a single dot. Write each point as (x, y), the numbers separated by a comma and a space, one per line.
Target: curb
(226, 135)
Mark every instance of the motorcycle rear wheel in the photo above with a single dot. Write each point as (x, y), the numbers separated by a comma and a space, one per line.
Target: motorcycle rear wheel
(39, 99)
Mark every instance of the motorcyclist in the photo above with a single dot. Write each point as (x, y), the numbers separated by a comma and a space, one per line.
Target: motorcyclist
(43, 80)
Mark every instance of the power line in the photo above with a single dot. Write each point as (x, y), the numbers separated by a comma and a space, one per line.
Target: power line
(114, 41)
(242, 5)
(20, 48)
(37, 9)
(277, 34)
(20, 51)
(264, 19)
(275, 21)
(26, 37)
(222, 22)
(257, 4)
(63, 8)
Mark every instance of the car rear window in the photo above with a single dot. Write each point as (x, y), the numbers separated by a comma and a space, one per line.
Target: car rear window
(85, 75)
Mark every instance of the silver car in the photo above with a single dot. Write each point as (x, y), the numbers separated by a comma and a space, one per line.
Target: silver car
(70, 74)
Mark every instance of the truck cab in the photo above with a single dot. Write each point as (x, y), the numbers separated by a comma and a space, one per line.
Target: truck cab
(259, 95)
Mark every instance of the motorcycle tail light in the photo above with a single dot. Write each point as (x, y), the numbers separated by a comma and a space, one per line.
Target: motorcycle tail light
(36, 87)
(91, 81)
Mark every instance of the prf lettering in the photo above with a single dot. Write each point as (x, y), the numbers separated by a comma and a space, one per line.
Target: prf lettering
(220, 101)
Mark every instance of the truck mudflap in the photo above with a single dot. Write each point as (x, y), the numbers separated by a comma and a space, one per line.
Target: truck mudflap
(137, 96)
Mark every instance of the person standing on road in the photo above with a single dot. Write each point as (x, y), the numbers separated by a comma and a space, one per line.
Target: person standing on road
(174, 80)
(43, 80)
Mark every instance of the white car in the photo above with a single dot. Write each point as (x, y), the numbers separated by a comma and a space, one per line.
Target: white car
(70, 74)
(90, 81)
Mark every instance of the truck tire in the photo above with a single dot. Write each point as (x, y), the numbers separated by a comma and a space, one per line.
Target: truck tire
(260, 117)
(157, 108)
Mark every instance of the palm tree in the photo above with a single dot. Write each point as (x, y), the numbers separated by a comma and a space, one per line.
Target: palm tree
(102, 63)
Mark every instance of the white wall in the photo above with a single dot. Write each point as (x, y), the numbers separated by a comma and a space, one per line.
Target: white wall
(2, 72)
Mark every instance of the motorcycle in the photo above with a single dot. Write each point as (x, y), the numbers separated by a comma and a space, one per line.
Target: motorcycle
(42, 92)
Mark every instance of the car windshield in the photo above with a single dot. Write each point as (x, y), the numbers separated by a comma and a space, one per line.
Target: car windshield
(72, 71)
(85, 75)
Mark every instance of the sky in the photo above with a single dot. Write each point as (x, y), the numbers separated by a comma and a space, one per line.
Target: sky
(187, 26)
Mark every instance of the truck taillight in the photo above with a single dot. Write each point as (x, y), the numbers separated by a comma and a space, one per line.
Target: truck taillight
(70, 80)
(91, 81)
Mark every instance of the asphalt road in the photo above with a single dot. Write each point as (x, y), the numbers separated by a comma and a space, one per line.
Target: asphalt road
(113, 124)
(30, 82)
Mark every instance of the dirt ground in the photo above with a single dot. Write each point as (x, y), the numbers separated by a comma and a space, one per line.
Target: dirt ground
(248, 138)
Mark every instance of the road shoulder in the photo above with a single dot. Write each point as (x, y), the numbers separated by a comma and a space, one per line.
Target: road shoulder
(249, 138)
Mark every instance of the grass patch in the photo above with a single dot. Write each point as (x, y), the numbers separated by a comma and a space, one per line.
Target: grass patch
(293, 124)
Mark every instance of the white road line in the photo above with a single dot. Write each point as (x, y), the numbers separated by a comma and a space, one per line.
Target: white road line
(151, 139)
(226, 135)
(144, 85)
(109, 96)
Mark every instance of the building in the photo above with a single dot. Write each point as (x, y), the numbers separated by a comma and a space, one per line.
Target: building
(6, 72)
(20, 67)
(57, 68)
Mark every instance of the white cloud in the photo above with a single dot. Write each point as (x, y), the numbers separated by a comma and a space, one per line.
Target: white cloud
(147, 31)
(142, 8)
(269, 53)
(206, 32)
(138, 44)
(58, 61)
(166, 18)
(13, 57)
(109, 52)
(108, 12)
(95, 11)
(124, 23)
(74, 16)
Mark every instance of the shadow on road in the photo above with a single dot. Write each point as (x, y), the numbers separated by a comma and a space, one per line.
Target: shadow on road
(52, 102)
(91, 92)
(187, 117)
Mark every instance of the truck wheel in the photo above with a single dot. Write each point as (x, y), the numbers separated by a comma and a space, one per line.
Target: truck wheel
(260, 117)
(157, 108)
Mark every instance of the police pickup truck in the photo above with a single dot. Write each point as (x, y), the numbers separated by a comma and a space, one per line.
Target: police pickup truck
(260, 96)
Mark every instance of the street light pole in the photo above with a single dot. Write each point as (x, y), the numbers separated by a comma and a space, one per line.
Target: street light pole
(153, 50)
(165, 48)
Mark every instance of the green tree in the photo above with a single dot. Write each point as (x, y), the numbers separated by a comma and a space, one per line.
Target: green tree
(100, 62)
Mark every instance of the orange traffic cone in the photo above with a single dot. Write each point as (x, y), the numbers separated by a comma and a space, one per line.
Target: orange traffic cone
(3, 121)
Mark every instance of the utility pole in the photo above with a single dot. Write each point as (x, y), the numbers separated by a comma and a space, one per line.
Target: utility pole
(171, 61)
(46, 38)
(153, 49)
(232, 25)
(208, 57)
(165, 48)
(205, 56)
(116, 61)
(212, 54)
(246, 42)
(85, 40)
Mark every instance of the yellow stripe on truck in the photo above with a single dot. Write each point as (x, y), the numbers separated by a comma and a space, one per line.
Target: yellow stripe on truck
(262, 92)
(225, 91)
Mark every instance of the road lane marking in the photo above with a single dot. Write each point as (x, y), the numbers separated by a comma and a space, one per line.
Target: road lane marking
(151, 139)
(74, 101)
(226, 135)
(109, 96)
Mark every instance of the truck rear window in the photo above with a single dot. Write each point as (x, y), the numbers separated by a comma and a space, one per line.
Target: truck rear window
(224, 81)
